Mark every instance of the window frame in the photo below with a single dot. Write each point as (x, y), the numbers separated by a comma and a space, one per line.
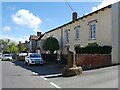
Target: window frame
(77, 32)
(67, 36)
(92, 31)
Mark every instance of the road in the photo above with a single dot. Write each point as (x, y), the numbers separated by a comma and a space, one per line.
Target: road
(18, 75)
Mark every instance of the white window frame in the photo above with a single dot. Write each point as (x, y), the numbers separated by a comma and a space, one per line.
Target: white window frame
(77, 32)
(92, 31)
(67, 35)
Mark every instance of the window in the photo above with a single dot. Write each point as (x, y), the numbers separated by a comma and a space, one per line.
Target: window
(92, 31)
(67, 34)
(77, 32)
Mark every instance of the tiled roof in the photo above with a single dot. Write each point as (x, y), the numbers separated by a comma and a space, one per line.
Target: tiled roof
(33, 37)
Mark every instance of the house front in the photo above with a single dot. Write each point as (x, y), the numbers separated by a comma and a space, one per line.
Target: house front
(100, 26)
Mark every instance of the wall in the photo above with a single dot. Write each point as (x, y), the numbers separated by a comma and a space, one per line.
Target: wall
(119, 37)
(115, 33)
(88, 61)
(103, 33)
(56, 34)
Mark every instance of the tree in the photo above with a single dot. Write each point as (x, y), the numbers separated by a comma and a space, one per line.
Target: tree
(21, 47)
(13, 48)
(8, 46)
(5, 44)
(51, 44)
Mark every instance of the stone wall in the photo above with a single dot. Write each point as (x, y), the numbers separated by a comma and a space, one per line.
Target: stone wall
(89, 61)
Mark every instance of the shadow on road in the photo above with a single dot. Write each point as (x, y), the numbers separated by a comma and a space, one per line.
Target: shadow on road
(46, 69)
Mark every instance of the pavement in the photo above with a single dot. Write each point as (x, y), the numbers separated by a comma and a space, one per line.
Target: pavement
(18, 75)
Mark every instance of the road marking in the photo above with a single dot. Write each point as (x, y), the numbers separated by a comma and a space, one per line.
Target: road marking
(55, 85)
(43, 77)
(34, 73)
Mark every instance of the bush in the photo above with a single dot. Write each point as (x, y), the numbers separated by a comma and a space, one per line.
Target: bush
(93, 48)
(51, 44)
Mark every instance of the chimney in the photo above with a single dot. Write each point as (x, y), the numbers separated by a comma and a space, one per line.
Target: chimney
(74, 16)
(38, 33)
(26, 42)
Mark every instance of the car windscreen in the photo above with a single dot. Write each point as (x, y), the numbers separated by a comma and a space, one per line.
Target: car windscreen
(7, 55)
(35, 55)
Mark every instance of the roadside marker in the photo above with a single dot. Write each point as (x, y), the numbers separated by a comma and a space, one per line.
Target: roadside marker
(55, 85)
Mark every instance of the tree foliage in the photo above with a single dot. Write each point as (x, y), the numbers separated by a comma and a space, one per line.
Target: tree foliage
(13, 48)
(51, 44)
(21, 47)
(8, 46)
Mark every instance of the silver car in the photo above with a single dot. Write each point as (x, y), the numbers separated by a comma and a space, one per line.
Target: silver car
(33, 58)
(7, 57)
(1, 56)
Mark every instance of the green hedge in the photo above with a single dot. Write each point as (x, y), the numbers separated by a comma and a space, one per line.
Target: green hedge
(93, 49)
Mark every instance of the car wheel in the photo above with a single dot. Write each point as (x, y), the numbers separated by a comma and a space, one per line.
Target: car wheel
(25, 62)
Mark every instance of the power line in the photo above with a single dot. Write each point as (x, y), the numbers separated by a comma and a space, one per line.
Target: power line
(71, 7)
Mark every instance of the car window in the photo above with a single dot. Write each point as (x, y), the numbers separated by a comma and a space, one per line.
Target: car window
(7, 55)
(35, 55)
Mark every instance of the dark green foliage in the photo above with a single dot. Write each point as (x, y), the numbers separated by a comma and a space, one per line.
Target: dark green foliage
(93, 48)
(51, 44)
(21, 48)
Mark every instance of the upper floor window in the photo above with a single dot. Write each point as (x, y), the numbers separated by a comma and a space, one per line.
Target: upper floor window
(67, 34)
(77, 32)
(92, 31)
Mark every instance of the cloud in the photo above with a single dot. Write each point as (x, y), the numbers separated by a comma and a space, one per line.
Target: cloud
(26, 18)
(23, 39)
(6, 28)
(104, 3)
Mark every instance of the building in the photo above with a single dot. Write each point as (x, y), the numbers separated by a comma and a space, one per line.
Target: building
(27, 45)
(101, 26)
(33, 42)
(39, 44)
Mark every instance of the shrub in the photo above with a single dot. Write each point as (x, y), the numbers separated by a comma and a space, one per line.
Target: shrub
(51, 44)
(93, 48)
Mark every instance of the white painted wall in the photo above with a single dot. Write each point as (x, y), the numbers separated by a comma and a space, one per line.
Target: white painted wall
(115, 33)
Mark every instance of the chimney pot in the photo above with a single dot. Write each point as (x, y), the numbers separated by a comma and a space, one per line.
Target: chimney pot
(38, 33)
(74, 16)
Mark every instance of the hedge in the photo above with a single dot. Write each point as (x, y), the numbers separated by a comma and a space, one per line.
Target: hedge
(93, 50)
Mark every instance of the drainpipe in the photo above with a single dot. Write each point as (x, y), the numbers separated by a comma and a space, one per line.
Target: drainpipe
(61, 43)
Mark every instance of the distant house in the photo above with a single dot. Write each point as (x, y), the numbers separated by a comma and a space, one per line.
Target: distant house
(100, 26)
(39, 44)
(33, 42)
(27, 45)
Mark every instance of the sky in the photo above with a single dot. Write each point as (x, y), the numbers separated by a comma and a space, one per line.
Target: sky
(22, 19)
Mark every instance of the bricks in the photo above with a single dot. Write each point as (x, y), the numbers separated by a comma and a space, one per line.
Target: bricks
(88, 61)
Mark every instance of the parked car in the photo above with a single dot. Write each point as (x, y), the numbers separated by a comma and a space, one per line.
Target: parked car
(1, 56)
(33, 58)
(7, 57)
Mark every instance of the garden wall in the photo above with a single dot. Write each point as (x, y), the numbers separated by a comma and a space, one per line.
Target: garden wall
(90, 61)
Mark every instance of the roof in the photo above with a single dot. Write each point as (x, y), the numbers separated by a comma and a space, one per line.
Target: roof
(40, 36)
(85, 16)
(33, 37)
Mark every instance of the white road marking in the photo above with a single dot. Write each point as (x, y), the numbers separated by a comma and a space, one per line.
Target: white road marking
(34, 73)
(55, 85)
(43, 77)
